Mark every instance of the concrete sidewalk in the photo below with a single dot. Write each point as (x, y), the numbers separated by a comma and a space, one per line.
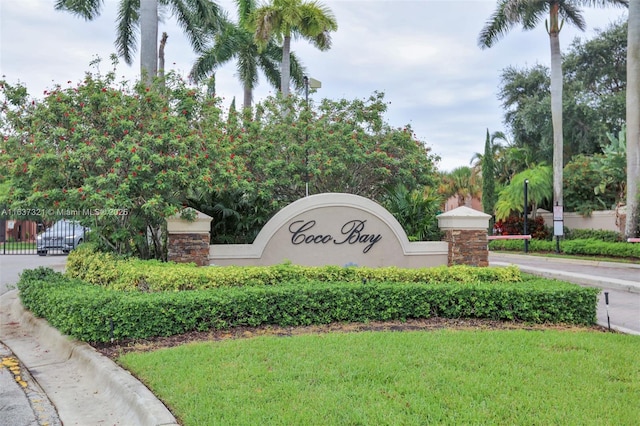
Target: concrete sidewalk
(85, 387)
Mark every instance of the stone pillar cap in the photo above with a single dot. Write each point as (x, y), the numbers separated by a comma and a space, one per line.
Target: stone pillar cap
(463, 218)
(201, 224)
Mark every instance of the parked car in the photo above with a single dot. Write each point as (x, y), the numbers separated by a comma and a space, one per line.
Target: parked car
(64, 235)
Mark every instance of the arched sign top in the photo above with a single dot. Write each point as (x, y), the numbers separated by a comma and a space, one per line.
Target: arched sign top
(330, 200)
(333, 229)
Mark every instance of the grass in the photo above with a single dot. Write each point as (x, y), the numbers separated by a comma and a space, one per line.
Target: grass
(400, 378)
(17, 245)
(569, 256)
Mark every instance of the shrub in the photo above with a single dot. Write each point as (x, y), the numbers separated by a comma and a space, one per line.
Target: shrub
(594, 247)
(150, 275)
(93, 266)
(596, 234)
(586, 247)
(518, 245)
(87, 312)
(514, 225)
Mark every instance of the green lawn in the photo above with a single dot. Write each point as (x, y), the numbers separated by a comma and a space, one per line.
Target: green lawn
(400, 378)
(17, 245)
(570, 256)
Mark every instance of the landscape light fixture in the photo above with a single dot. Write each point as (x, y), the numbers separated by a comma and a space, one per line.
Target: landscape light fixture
(526, 213)
(313, 84)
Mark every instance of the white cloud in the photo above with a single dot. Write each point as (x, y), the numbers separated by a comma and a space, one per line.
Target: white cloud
(422, 54)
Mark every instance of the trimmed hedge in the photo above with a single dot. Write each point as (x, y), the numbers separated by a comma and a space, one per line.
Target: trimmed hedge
(87, 312)
(593, 234)
(106, 270)
(588, 247)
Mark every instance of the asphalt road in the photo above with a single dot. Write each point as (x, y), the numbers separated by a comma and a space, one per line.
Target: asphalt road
(11, 265)
(620, 281)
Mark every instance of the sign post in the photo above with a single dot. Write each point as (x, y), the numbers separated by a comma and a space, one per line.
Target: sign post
(558, 224)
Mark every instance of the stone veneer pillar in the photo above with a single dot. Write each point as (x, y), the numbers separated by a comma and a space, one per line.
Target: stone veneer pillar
(189, 241)
(466, 232)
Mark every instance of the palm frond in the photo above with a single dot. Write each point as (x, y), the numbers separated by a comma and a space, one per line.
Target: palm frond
(87, 9)
(265, 23)
(297, 72)
(269, 63)
(497, 26)
(533, 12)
(315, 23)
(247, 68)
(508, 14)
(571, 13)
(604, 3)
(197, 18)
(128, 23)
(245, 10)
(205, 65)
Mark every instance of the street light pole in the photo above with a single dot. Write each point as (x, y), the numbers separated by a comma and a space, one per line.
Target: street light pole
(306, 139)
(314, 84)
(526, 213)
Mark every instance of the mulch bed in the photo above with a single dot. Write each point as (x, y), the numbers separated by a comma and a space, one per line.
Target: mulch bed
(117, 349)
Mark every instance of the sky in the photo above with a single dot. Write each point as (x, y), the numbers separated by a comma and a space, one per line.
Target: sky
(423, 54)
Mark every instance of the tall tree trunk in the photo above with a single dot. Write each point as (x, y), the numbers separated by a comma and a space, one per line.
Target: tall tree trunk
(148, 39)
(248, 96)
(556, 105)
(285, 74)
(163, 43)
(488, 178)
(633, 119)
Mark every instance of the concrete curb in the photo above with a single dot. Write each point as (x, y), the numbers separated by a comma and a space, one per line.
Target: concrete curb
(566, 260)
(22, 400)
(130, 397)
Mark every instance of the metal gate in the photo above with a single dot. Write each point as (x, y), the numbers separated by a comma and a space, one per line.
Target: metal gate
(32, 235)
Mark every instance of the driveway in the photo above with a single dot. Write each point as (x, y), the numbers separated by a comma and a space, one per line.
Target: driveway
(11, 265)
(620, 281)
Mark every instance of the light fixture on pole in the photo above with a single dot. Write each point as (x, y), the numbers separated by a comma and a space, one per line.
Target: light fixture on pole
(313, 84)
(526, 213)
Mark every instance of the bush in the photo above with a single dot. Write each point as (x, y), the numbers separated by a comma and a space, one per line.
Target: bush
(149, 275)
(93, 266)
(586, 247)
(518, 245)
(601, 248)
(87, 312)
(593, 234)
(514, 225)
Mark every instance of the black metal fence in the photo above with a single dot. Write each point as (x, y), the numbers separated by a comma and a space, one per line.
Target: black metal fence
(28, 234)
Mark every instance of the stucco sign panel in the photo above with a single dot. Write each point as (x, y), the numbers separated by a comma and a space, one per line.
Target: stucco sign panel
(332, 229)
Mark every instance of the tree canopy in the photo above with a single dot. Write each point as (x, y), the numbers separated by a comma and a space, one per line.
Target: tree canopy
(118, 158)
(334, 146)
(593, 97)
(122, 158)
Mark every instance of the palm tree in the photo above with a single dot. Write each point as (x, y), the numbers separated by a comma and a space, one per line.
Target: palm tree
(513, 160)
(511, 197)
(462, 183)
(236, 41)
(529, 13)
(192, 15)
(416, 211)
(284, 19)
(633, 119)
